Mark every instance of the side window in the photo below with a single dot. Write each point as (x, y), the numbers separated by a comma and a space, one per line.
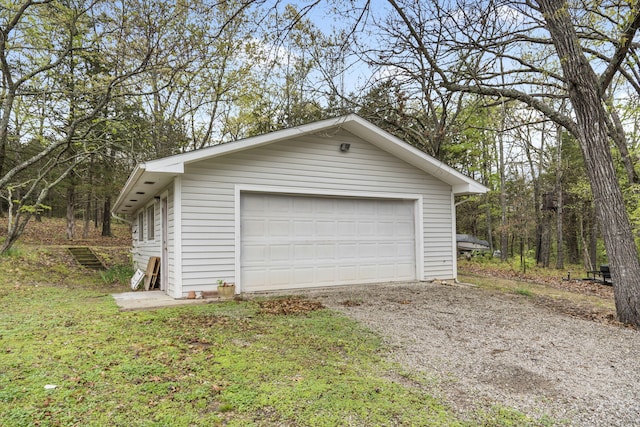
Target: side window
(151, 222)
(141, 226)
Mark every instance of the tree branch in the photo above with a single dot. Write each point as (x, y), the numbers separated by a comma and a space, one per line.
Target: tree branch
(516, 95)
(621, 52)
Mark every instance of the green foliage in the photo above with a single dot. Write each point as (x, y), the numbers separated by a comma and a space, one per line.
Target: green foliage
(506, 417)
(524, 292)
(33, 209)
(118, 274)
(12, 252)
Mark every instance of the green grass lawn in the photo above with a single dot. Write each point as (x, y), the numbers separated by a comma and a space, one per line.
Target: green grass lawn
(69, 357)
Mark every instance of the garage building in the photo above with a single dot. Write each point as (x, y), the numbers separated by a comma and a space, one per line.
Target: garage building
(334, 202)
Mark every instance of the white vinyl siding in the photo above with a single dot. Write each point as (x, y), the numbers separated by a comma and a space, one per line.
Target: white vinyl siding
(150, 221)
(172, 286)
(312, 163)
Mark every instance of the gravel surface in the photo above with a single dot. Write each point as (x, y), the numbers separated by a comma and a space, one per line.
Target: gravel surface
(484, 348)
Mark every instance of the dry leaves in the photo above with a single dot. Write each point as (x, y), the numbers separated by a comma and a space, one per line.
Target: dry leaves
(53, 232)
(289, 306)
(576, 284)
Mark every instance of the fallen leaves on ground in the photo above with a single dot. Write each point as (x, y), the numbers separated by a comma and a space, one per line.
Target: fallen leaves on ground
(289, 306)
(576, 285)
(566, 306)
(351, 303)
(595, 314)
(53, 231)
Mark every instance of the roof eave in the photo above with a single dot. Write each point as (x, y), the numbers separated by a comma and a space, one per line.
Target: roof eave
(135, 176)
(142, 185)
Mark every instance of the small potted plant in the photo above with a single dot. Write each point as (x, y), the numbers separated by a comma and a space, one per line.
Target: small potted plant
(226, 290)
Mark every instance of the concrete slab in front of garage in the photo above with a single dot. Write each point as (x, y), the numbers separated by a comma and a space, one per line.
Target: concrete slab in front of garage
(149, 300)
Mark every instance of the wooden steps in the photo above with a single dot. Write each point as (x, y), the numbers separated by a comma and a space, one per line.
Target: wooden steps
(86, 257)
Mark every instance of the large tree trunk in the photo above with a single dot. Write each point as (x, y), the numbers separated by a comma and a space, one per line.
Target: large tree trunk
(586, 98)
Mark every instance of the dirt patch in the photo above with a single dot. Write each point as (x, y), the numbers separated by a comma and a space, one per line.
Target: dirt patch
(575, 285)
(594, 314)
(486, 347)
(289, 306)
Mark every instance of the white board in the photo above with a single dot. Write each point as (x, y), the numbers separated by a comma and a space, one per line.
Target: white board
(137, 279)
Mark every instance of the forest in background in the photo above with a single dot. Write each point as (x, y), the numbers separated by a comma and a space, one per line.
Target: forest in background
(90, 88)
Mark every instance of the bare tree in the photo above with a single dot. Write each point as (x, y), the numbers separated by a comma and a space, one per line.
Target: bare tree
(562, 37)
(33, 62)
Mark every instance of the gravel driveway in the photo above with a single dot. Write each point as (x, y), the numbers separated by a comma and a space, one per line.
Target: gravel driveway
(487, 348)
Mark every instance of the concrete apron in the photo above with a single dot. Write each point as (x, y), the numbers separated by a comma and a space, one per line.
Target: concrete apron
(148, 300)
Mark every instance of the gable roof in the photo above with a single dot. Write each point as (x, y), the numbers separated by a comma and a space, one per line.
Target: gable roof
(148, 178)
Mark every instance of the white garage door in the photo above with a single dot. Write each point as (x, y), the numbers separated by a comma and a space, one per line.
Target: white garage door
(304, 241)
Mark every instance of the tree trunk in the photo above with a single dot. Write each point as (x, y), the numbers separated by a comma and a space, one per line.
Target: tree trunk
(571, 238)
(87, 217)
(106, 221)
(559, 212)
(586, 257)
(71, 218)
(559, 233)
(14, 231)
(538, 239)
(504, 232)
(545, 240)
(87, 204)
(586, 99)
(593, 239)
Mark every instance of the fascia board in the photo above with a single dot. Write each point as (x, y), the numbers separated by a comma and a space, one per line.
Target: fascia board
(476, 188)
(172, 168)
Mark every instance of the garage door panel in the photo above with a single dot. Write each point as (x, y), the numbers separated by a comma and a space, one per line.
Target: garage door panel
(403, 228)
(299, 241)
(279, 228)
(255, 252)
(348, 274)
(302, 205)
(346, 228)
(304, 276)
(347, 251)
(405, 269)
(279, 276)
(326, 274)
(368, 272)
(279, 253)
(367, 208)
(325, 228)
(255, 276)
(387, 270)
(405, 249)
(255, 228)
(302, 228)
